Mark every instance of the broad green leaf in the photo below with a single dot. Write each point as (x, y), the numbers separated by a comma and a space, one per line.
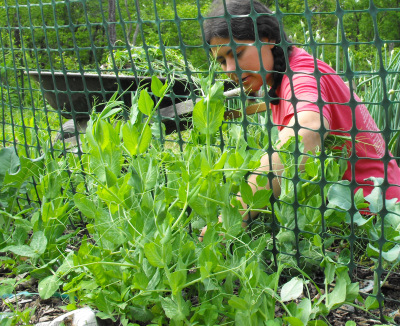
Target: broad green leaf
(145, 140)
(153, 253)
(221, 161)
(38, 243)
(157, 87)
(9, 162)
(375, 199)
(155, 280)
(304, 309)
(293, 321)
(130, 136)
(246, 192)
(208, 116)
(338, 294)
(357, 219)
(261, 198)
(345, 256)
(177, 281)
(88, 207)
(292, 289)
(317, 323)
(173, 310)
(311, 167)
(351, 323)
(146, 103)
(392, 254)
(104, 305)
(111, 178)
(243, 318)
(22, 250)
(48, 286)
(109, 110)
(262, 180)
(371, 303)
(339, 195)
(317, 241)
(109, 229)
(235, 160)
(231, 220)
(140, 281)
(238, 303)
(28, 168)
(329, 270)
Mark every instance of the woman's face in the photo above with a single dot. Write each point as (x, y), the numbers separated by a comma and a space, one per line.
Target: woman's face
(248, 61)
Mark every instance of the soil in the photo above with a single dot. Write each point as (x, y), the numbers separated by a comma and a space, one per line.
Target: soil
(48, 310)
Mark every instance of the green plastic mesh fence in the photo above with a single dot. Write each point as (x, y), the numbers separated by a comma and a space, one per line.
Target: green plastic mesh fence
(318, 120)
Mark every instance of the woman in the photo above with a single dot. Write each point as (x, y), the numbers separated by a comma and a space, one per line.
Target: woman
(304, 101)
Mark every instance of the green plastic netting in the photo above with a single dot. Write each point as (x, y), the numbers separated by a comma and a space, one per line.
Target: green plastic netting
(63, 60)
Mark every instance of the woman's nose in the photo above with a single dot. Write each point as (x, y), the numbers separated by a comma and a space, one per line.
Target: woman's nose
(230, 65)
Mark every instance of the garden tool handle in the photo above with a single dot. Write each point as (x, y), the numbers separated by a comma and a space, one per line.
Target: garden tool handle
(251, 109)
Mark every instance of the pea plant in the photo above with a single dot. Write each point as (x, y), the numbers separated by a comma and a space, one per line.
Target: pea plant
(140, 205)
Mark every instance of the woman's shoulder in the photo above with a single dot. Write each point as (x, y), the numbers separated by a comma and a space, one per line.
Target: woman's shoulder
(301, 61)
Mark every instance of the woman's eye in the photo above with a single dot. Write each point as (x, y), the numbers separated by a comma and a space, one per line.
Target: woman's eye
(238, 54)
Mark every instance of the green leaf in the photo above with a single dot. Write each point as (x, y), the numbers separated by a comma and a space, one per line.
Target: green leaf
(153, 253)
(238, 303)
(292, 289)
(146, 103)
(317, 241)
(28, 168)
(231, 220)
(88, 207)
(146, 139)
(177, 281)
(338, 294)
(262, 181)
(339, 195)
(304, 309)
(22, 250)
(39, 243)
(208, 116)
(317, 323)
(173, 310)
(130, 136)
(104, 305)
(111, 178)
(9, 162)
(48, 286)
(246, 192)
(293, 321)
(157, 87)
(109, 110)
(357, 219)
(392, 254)
(311, 167)
(371, 303)
(351, 323)
(375, 200)
(261, 198)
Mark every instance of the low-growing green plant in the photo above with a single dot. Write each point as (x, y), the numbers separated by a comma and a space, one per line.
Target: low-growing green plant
(143, 204)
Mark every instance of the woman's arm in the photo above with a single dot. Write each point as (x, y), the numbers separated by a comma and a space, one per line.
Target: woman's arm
(310, 124)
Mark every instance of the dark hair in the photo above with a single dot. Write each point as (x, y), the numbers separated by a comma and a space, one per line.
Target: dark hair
(242, 28)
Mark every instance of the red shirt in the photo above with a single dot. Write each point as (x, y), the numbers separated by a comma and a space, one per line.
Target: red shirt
(338, 111)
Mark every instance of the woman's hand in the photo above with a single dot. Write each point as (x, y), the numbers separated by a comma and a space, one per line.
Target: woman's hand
(310, 124)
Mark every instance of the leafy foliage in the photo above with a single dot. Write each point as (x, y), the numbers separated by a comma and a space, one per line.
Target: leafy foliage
(143, 202)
